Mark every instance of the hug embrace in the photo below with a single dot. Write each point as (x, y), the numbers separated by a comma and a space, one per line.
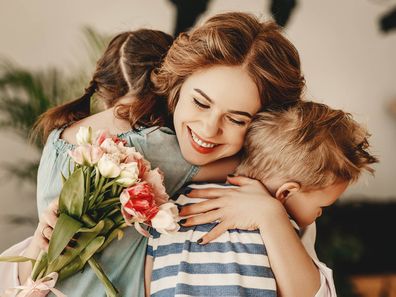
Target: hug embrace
(220, 106)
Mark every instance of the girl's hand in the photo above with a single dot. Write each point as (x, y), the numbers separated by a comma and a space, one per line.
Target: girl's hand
(248, 207)
(46, 225)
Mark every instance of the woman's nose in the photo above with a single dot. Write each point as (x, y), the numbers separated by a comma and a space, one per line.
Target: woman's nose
(211, 127)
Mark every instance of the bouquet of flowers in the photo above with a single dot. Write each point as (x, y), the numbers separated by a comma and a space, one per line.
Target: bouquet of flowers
(110, 187)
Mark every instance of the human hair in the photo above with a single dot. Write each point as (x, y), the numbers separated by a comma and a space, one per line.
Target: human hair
(309, 143)
(235, 39)
(124, 69)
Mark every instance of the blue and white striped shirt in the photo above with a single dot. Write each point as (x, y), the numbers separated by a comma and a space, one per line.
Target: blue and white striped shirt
(234, 264)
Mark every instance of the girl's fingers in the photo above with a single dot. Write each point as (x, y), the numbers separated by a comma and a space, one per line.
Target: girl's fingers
(49, 218)
(200, 207)
(214, 233)
(204, 218)
(208, 193)
(47, 232)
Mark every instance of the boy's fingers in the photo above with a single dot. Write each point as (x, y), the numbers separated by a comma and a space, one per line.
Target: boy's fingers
(204, 218)
(200, 207)
(214, 233)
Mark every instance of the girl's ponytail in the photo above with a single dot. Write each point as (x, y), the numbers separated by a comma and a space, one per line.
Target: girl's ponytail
(61, 115)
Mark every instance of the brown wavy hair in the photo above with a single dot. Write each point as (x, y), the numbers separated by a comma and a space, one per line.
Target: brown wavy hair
(124, 69)
(235, 39)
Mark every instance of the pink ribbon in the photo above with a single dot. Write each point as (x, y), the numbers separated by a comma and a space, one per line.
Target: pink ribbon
(39, 288)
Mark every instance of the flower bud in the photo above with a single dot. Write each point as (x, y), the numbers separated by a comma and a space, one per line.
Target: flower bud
(109, 166)
(84, 136)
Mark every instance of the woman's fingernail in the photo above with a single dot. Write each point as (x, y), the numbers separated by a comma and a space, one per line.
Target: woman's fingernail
(199, 240)
(183, 221)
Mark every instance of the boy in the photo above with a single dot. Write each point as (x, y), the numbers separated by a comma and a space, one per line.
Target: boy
(306, 156)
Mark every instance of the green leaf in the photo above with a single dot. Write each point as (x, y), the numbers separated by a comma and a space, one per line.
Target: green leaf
(69, 254)
(16, 259)
(64, 230)
(40, 265)
(71, 199)
(111, 291)
(79, 262)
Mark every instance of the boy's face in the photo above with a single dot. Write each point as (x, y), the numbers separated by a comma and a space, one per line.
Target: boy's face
(306, 206)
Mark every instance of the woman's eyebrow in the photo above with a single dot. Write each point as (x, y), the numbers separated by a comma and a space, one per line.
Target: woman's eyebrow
(203, 95)
(243, 113)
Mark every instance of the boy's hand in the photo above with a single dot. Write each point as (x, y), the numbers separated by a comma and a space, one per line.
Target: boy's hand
(248, 207)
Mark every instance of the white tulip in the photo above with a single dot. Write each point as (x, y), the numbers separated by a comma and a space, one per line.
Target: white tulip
(109, 166)
(129, 174)
(84, 136)
(165, 221)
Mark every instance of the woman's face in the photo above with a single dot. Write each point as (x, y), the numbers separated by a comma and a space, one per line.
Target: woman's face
(214, 109)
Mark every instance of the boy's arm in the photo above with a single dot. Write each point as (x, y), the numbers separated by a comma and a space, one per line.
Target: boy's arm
(294, 270)
(148, 269)
(327, 287)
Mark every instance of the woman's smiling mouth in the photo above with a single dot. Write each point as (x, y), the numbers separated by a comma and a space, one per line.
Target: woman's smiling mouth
(200, 145)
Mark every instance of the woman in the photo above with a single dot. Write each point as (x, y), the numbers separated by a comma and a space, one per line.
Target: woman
(250, 62)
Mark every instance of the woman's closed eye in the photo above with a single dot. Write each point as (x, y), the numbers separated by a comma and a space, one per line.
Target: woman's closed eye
(200, 104)
(236, 122)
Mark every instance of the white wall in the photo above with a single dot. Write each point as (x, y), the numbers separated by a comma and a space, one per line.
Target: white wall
(347, 62)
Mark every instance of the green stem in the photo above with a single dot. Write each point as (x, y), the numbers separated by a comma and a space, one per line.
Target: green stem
(87, 188)
(97, 192)
(109, 184)
(111, 291)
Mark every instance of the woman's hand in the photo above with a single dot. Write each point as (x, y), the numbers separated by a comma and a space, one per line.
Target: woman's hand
(46, 225)
(248, 207)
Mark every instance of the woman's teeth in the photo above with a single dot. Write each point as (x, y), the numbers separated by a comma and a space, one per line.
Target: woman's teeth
(200, 142)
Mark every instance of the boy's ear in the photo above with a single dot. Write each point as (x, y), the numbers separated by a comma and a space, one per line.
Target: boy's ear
(286, 190)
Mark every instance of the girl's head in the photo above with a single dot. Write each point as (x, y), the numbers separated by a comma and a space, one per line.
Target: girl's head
(123, 70)
(219, 75)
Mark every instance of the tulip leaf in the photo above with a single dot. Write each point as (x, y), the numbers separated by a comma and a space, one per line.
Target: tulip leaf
(16, 259)
(71, 199)
(40, 265)
(79, 262)
(64, 230)
(111, 291)
(86, 235)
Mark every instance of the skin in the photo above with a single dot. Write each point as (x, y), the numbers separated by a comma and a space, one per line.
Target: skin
(306, 205)
(216, 113)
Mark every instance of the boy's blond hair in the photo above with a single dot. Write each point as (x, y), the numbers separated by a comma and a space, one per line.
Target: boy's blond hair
(309, 143)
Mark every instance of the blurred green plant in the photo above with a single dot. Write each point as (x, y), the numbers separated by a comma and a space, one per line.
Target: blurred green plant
(26, 94)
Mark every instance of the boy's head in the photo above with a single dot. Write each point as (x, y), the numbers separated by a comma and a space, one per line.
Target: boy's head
(306, 156)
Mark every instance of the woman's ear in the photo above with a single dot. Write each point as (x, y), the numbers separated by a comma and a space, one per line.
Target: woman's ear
(286, 190)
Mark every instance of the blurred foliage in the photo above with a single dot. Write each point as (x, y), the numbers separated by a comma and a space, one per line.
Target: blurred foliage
(26, 94)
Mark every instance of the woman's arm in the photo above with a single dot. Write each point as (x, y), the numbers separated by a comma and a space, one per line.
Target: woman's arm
(251, 207)
(217, 171)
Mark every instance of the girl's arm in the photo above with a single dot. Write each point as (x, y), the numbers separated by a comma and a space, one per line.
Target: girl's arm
(251, 207)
